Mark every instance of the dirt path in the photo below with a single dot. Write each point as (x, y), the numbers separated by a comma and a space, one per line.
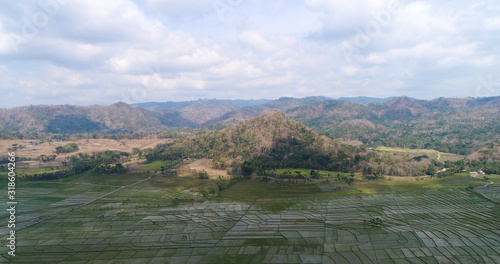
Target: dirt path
(477, 191)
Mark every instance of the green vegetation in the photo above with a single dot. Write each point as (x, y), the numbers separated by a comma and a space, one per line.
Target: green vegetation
(107, 162)
(309, 172)
(260, 144)
(68, 148)
(495, 179)
(449, 125)
(67, 124)
(404, 150)
(159, 165)
(139, 218)
(29, 171)
(292, 194)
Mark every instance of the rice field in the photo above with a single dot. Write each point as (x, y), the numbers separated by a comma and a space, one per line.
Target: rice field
(141, 218)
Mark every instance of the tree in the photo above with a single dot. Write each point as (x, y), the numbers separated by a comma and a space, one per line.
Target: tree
(247, 169)
(203, 175)
(431, 170)
(138, 152)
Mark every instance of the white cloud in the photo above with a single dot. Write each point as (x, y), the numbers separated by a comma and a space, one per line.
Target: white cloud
(349, 70)
(182, 9)
(255, 40)
(236, 69)
(181, 50)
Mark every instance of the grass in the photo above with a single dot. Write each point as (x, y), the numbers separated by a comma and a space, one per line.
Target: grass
(495, 179)
(443, 155)
(24, 171)
(405, 150)
(157, 165)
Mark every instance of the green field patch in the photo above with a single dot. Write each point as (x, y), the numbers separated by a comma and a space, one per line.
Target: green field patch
(434, 153)
(405, 150)
(495, 179)
(157, 165)
(28, 171)
(90, 178)
(274, 197)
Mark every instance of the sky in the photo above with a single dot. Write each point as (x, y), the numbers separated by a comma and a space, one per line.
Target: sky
(85, 52)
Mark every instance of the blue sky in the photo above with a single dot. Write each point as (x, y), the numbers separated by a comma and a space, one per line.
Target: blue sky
(100, 52)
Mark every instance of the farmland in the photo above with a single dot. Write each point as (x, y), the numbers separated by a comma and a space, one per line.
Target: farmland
(429, 152)
(146, 218)
(35, 148)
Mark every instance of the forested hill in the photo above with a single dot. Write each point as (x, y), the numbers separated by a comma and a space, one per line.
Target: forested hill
(272, 140)
(66, 119)
(275, 141)
(467, 126)
(253, 137)
(460, 126)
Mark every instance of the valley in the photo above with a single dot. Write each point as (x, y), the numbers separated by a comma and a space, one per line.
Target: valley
(287, 181)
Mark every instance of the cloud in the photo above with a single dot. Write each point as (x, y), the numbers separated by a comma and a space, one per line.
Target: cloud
(255, 40)
(186, 9)
(349, 70)
(181, 50)
(341, 17)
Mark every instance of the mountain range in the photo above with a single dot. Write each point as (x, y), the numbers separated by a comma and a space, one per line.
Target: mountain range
(456, 125)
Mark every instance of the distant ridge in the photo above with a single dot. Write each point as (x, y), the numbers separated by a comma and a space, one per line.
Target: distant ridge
(453, 125)
(179, 105)
(366, 100)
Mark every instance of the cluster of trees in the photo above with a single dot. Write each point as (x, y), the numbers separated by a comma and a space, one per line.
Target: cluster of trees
(202, 175)
(487, 166)
(109, 169)
(68, 148)
(101, 162)
(51, 175)
(46, 158)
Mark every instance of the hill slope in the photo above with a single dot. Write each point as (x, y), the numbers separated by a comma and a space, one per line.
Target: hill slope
(275, 141)
(118, 117)
(454, 125)
(253, 137)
